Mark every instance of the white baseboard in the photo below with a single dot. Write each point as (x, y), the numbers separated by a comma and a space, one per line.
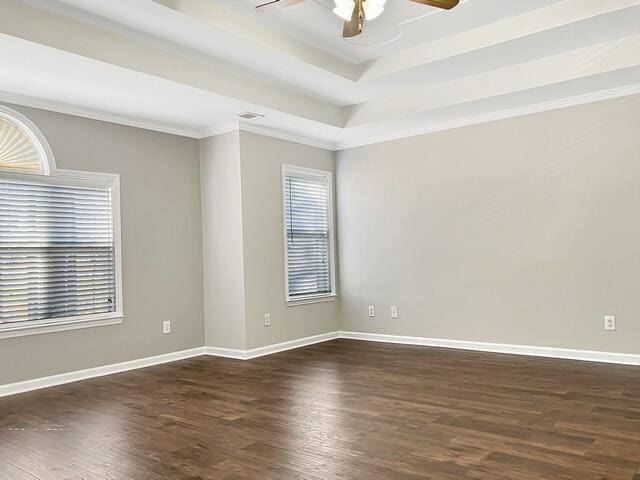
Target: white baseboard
(62, 378)
(563, 353)
(270, 349)
(234, 353)
(569, 354)
(290, 345)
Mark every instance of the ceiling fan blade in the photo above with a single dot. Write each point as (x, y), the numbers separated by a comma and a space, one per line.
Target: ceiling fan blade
(446, 4)
(354, 26)
(276, 3)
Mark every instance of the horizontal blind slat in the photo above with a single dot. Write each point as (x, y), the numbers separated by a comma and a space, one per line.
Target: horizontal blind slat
(307, 234)
(56, 251)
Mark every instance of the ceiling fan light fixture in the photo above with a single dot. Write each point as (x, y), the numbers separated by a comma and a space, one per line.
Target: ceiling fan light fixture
(373, 8)
(355, 12)
(344, 9)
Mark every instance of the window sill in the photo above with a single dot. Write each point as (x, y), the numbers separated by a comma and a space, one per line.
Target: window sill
(309, 300)
(11, 331)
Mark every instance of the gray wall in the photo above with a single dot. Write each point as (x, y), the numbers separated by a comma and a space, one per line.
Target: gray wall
(523, 231)
(262, 159)
(161, 248)
(243, 242)
(222, 241)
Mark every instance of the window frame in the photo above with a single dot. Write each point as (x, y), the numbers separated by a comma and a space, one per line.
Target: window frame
(318, 297)
(33, 133)
(75, 178)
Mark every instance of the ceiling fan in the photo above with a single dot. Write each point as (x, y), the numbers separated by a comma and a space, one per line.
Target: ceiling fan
(354, 12)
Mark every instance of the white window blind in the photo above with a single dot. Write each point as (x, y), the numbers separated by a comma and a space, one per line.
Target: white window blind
(57, 251)
(307, 209)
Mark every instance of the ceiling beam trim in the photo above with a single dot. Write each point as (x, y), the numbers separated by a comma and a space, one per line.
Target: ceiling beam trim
(26, 22)
(221, 18)
(581, 63)
(537, 21)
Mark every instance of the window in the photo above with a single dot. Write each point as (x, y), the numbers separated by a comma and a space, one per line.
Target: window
(59, 240)
(308, 231)
(22, 146)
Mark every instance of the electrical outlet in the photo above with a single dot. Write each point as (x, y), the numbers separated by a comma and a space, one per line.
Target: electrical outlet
(267, 319)
(609, 322)
(372, 311)
(394, 311)
(166, 327)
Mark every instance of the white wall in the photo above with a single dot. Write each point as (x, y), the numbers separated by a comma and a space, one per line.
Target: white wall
(524, 231)
(224, 310)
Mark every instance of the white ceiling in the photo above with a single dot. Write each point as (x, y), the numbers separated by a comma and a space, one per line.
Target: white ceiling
(403, 24)
(190, 66)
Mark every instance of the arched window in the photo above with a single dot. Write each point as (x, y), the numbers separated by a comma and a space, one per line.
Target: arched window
(59, 238)
(23, 148)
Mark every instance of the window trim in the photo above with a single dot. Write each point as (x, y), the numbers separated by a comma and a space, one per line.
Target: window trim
(34, 134)
(319, 297)
(92, 179)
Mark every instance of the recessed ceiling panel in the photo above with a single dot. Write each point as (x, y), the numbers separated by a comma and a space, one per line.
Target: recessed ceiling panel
(402, 25)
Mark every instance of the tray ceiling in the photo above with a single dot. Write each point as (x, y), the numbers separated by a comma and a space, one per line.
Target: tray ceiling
(190, 66)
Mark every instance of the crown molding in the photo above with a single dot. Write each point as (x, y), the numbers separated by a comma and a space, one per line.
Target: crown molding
(592, 97)
(103, 116)
(281, 134)
(219, 130)
(267, 132)
(94, 114)
(288, 136)
(497, 115)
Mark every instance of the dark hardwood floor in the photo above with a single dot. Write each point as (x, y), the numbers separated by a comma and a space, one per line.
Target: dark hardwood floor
(338, 410)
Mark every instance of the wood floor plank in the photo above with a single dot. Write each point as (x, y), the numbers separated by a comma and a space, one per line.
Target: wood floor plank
(338, 410)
